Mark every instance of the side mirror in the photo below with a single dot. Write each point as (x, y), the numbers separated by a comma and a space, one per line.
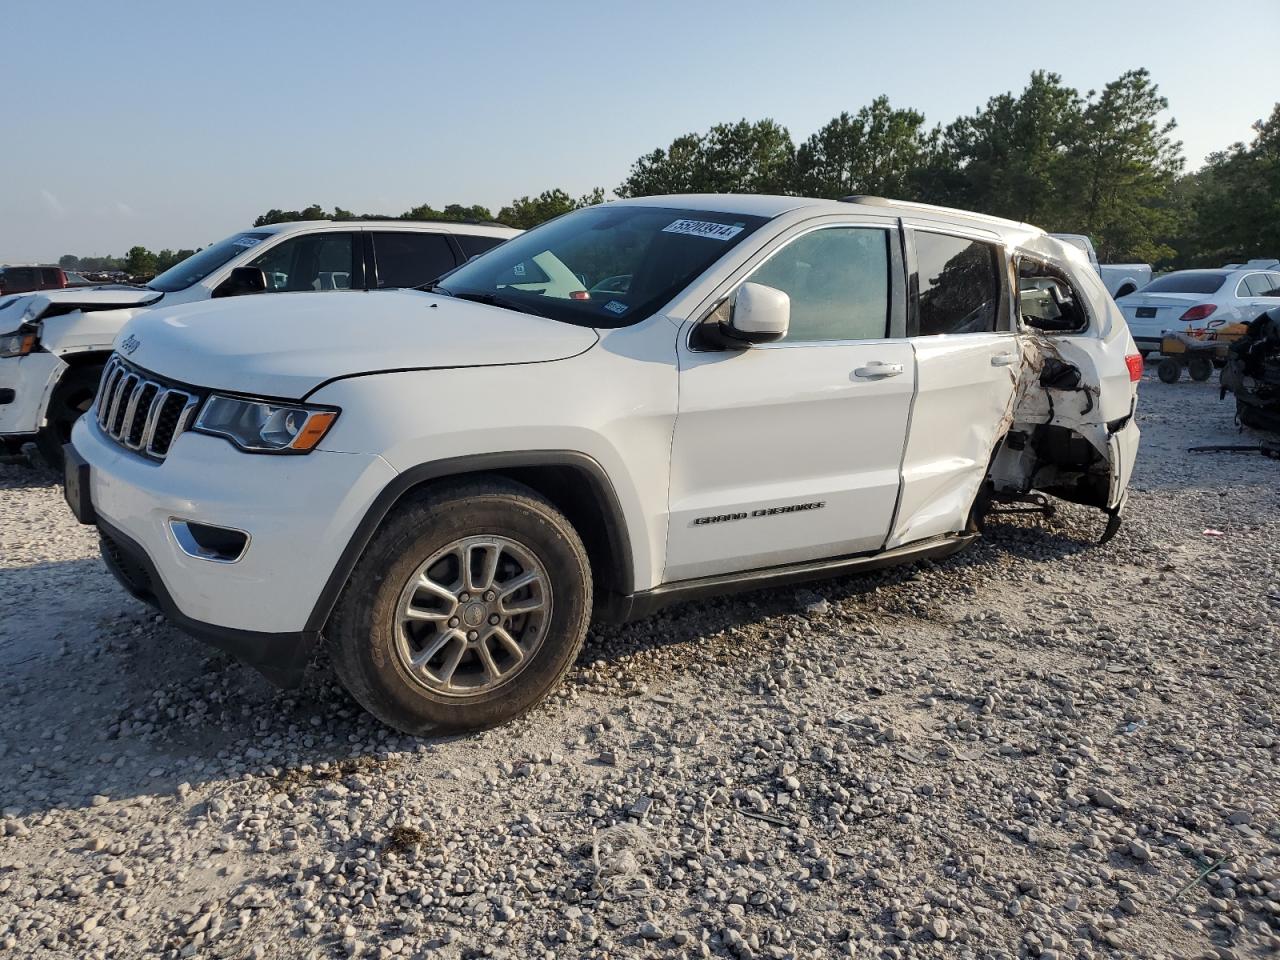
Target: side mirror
(242, 280)
(758, 314)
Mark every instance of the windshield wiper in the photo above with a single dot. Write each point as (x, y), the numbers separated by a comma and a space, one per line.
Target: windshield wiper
(432, 287)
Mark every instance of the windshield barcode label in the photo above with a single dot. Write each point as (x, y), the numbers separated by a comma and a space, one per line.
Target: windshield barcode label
(703, 228)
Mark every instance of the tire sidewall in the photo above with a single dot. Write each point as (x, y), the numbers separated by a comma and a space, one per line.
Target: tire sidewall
(368, 625)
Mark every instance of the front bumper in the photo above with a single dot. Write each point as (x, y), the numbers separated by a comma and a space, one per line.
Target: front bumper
(301, 513)
(31, 380)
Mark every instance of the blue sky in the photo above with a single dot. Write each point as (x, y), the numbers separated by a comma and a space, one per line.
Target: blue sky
(171, 124)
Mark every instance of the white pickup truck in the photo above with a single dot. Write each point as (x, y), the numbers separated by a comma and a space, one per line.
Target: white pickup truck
(638, 402)
(53, 343)
(1120, 279)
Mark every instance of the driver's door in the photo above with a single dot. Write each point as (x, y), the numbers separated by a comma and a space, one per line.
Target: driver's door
(790, 451)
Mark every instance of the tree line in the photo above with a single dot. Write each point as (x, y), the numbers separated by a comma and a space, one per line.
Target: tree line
(1102, 163)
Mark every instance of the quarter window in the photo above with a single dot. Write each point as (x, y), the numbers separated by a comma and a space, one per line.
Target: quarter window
(838, 282)
(959, 284)
(1046, 299)
(411, 259)
(1258, 286)
(317, 261)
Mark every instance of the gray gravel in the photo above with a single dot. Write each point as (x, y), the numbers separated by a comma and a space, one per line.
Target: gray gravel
(1032, 749)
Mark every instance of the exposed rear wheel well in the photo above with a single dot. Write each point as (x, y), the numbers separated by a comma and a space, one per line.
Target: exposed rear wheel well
(1125, 290)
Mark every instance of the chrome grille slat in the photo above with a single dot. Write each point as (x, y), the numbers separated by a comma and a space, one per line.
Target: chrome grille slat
(110, 383)
(142, 413)
(153, 414)
(130, 411)
(115, 423)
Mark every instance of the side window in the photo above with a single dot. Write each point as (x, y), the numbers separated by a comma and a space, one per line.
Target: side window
(51, 276)
(410, 259)
(959, 288)
(317, 261)
(838, 282)
(1258, 285)
(1046, 298)
(474, 246)
(1272, 285)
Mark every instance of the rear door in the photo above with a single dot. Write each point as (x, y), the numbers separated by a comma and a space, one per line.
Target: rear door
(967, 364)
(409, 258)
(790, 451)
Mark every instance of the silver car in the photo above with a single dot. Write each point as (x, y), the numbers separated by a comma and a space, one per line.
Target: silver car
(1193, 300)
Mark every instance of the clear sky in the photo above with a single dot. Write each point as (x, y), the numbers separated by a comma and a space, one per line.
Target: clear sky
(174, 124)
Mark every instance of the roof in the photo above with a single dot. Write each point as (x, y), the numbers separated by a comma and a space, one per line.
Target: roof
(764, 205)
(436, 226)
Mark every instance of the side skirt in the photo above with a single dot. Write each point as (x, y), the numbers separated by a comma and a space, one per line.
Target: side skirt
(635, 606)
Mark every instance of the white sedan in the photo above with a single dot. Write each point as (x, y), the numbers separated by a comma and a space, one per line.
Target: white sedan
(1191, 300)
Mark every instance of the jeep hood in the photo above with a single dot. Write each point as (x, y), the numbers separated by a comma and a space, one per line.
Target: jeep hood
(288, 344)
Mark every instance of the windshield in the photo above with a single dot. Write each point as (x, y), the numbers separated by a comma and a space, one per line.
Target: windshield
(605, 266)
(1189, 281)
(199, 265)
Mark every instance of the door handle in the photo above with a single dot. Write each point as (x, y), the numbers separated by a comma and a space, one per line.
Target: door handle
(1004, 359)
(877, 370)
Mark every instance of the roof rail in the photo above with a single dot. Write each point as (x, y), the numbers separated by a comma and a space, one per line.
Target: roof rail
(866, 198)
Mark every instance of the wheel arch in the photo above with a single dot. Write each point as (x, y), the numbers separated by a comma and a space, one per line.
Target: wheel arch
(574, 482)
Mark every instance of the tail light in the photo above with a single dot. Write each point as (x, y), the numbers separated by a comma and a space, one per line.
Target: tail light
(1134, 362)
(579, 295)
(1199, 312)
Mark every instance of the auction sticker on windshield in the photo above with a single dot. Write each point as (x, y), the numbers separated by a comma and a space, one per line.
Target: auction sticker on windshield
(704, 228)
(245, 242)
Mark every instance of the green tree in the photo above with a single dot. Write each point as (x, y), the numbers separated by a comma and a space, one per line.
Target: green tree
(69, 261)
(740, 157)
(1122, 168)
(454, 212)
(875, 151)
(169, 258)
(1011, 157)
(526, 212)
(313, 212)
(140, 262)
(1231, 206)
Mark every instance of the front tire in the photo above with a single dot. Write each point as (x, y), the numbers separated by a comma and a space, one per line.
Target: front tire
(70, 399)
(466, 610)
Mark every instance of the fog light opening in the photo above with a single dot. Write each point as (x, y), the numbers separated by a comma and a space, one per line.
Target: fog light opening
(207, 542)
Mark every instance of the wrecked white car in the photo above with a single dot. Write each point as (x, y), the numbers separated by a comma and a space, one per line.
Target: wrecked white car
(638, 402)
(53, 343)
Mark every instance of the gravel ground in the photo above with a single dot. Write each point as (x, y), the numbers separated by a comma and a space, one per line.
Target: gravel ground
(1031, 749)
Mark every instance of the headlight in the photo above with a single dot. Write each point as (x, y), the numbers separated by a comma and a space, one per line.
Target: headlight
(18, 344)
(264, 426)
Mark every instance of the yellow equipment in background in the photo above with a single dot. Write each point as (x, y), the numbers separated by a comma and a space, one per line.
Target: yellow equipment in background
(1197, 350)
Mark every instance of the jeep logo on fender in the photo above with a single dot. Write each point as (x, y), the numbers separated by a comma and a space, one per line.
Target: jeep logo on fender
(762, 512)
(129, 344)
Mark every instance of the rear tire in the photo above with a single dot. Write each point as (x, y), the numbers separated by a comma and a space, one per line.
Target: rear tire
(71, 398)
(1169, 370)
(424, 636)
(1200, 368)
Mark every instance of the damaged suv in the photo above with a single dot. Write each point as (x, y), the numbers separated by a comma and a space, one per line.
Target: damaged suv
(639, 402)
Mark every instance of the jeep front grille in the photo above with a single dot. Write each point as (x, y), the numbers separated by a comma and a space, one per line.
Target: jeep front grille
(141, 412)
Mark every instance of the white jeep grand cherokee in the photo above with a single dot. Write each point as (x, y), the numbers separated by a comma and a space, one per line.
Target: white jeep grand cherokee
(638, 402)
